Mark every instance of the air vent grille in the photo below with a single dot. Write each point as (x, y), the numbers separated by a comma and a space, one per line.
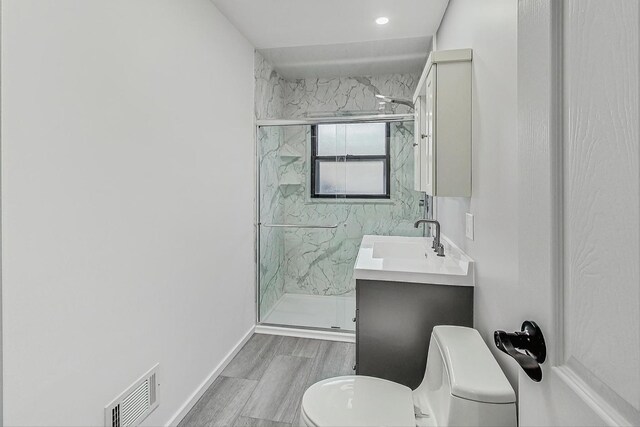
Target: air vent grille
(135, 403)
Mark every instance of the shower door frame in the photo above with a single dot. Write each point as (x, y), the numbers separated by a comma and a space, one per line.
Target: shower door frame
(370, 118)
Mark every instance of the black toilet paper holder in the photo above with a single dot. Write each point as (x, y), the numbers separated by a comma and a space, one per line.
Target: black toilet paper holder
(527, 347)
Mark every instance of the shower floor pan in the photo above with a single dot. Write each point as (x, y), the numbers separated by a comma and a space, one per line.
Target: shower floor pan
(313, 311)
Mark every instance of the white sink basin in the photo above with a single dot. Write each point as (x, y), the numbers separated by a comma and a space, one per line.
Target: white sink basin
(399, 250)
(411, 259)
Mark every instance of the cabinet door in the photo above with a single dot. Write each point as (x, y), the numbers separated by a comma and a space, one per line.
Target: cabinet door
(417, 144)
(395, 320)
(429, 140)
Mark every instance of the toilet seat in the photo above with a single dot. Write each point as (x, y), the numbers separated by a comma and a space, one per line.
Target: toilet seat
(358, 401)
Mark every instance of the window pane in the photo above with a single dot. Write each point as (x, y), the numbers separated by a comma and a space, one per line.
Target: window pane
(331, 140)
(366, 139)
(355, 177)
(357, 139)
(330, 178)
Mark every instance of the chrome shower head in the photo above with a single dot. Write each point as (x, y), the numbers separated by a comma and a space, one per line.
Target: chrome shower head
(393, 100)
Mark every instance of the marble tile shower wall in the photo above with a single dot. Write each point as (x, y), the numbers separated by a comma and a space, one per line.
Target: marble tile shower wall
(308, 96)
(320, 261)
(269, 103)
(269, 90)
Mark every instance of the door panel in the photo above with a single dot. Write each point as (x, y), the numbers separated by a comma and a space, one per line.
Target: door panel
(601, 292)
(417, 145)
(581, 131)
(429, 129)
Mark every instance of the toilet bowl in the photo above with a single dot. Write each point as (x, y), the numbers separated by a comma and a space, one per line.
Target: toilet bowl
(462, 386)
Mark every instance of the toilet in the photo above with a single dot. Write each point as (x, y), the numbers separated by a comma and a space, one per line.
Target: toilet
(462, 386)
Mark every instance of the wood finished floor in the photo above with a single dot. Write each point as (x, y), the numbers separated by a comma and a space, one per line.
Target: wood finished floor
(263, 385)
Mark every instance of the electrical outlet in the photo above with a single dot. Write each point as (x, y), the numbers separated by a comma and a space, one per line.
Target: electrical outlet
(469, 226)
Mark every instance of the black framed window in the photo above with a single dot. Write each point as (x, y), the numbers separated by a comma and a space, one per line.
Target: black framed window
(351, 160)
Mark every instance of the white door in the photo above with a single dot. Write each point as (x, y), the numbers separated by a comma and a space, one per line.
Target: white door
(579, 208)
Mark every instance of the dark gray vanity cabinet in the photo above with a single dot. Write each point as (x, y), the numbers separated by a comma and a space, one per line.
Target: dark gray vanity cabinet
(394, 322)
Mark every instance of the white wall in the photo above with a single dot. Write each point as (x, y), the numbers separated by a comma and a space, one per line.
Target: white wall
(127, 194)
(489, 27)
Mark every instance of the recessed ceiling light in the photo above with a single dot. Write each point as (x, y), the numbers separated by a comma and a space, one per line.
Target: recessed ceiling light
(382, 20)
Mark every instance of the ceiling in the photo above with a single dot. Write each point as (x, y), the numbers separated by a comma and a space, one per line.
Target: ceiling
(327, 38)
(350, 59)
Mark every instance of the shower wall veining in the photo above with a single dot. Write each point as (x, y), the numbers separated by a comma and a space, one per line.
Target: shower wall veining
(320, 261)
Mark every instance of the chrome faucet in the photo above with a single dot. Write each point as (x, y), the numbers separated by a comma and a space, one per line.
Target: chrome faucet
(437, 246)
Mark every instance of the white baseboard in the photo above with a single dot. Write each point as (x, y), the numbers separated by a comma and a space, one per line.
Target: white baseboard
(306, 333)
(197, 394)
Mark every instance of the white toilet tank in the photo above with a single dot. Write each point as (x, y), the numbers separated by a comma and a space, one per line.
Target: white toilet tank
(463, 384)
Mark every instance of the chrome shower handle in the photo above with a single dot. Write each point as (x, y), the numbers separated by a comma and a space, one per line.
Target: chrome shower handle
(298, 226)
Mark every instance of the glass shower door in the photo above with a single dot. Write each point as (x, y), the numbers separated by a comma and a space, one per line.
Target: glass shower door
(297, 259)
(322, 187)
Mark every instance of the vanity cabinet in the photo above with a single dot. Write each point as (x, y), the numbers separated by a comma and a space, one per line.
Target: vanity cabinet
(394, 321)
(442, 146)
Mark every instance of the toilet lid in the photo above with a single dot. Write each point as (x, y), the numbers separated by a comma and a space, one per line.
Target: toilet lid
(358, 401)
